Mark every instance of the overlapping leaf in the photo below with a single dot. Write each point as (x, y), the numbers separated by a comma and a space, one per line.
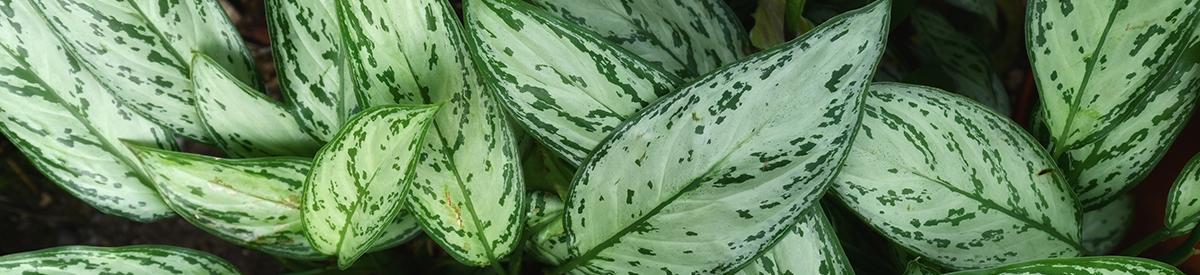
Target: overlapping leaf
(964, 63)
(67, 123)
(1122, 157)
(1081, 266)
(306, 41)
(1105, 227)
(252, 202)
(707, 178)
(566, 85)
(358, 181)
(810, 247)
(548, 240)
(955, 182)
(1183, 204)
(1098, 62)
(688, 38)
(142, 51)
(243, 121)
(468, 193)
(140, 259)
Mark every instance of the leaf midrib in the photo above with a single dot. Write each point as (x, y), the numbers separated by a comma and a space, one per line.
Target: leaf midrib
(1089, 67)
(1048, 229)
(616, 237)
(107, 146)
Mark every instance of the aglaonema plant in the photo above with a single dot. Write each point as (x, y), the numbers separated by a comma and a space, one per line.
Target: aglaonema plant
(605, 136)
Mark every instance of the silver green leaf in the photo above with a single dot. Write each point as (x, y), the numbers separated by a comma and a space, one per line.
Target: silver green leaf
(951, 180)
(251, 202)
(358, 180)
(242, 121)
(138, 259)
(1124, 156)
(566, 85)
(548, 240)
(1183, 203)
(142, 50)
(468, 192)
(709, 177)
(1108, 265)
(306, 41)
(963, 62)
(68, 124)
(1105, 227)
(688, 38)
(1098, 61)
(810, 247)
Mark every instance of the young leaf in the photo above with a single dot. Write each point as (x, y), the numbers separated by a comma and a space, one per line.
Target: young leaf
(243, 121)
(142, 50)
(919, 267)
(360, 178)
(566, 85)
(548, 240)
(948, 179)
(251, 202)
(810, 247)
(1109, 167)
(688, 38)
(1097, 62)
(138, 259)
(306, 41)
(707, 178)
(68, 125)
(1183, 204)
(964, 63)
(1080, 266)
(468, 193)
(1105, 227)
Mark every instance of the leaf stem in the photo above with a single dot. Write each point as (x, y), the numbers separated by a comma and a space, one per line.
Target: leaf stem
(1145, 243)
(1184, 250)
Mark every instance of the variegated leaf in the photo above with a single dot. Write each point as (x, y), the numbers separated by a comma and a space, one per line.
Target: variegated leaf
(566, 85)
(1109, 167)
(955, 182)
(810, 247)
(964, 63)
(251, 202)
(709, 177)
(688, 38)
(548, 240)
(358, 181)
(468, 193)
(138, 259)
(142, 51)
(1105, 227)
(1098, 61)
(306, 41)
(1183, 203)
(243, 121)
(68, 124)
(1108, 265)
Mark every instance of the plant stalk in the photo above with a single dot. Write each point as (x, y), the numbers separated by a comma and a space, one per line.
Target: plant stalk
(1185, 250)
(1146, 243)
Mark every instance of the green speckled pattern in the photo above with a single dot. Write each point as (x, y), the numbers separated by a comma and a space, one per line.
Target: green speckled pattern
(709, 177)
